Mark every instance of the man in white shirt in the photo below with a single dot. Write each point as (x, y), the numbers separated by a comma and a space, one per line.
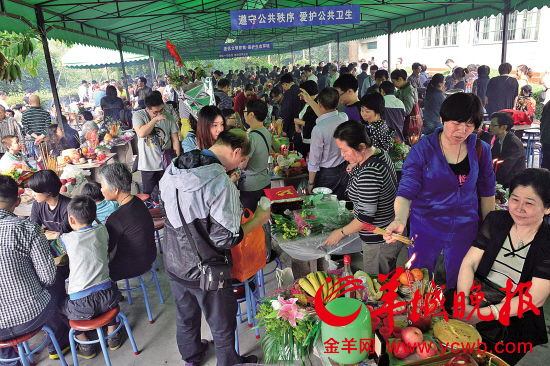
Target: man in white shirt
(333, 72)
(309, 73)
(83, 91)
(326, 165)
(3, 96)
(169, 92)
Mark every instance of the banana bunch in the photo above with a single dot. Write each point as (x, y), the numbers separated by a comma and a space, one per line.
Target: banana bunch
(313, 281)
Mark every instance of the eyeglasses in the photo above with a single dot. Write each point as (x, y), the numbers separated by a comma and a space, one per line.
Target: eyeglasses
(156, 113)
(244, 112)
(341, 94)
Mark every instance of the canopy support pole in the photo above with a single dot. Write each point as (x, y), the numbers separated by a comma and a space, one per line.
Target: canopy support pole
(92, 76)
(108, 77)
(309, 49)
(329, 52)
(49, 66)
(279, 57)
(338, 53)
(150, 65)
(505, 31)
(164, 62)
(291, 58)
(389, 46)
(119, 45)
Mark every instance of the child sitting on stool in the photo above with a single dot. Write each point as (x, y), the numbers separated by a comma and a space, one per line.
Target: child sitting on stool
(91, 291)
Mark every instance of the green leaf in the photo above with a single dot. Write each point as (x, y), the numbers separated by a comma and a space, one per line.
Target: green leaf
(273, 314)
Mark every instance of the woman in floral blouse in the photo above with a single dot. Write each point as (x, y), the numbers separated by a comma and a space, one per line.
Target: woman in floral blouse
(525, 102)
(372, 111)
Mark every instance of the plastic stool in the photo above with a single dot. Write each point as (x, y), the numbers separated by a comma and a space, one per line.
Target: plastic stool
(156, 213)
(143, 197)
(159, 225)
(25, 354)
(535, 149)
(261, 274)
(129, 289)
(250, 292)
(97, 324)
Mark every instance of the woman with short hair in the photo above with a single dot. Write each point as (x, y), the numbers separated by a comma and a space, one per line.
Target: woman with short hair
(373, 108)
(50, 207)
(131, 229)
(371, 188)
(511, 248)
(442, 178)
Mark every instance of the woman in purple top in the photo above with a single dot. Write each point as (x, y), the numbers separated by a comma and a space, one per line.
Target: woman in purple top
(442, 179)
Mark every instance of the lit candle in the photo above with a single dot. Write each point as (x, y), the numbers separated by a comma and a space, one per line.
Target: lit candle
(496, 166)
(407, 271)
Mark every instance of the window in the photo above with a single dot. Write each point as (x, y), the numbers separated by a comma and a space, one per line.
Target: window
(454, 34)
(429, 37)
(498, 28)
(372, 45)
(408, 39)
(526, 26)
(445, 34)
(486, 27)
(437, 35)
(512, 23)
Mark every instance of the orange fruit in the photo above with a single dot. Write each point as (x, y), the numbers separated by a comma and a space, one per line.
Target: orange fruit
(417, 274)
(403, 278)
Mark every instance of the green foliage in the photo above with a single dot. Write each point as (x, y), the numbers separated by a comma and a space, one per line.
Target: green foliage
(16, 51)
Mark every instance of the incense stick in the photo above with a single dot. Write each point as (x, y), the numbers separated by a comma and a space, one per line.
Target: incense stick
(379, 231)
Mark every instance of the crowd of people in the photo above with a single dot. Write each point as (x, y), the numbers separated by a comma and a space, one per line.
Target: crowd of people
(202, 171)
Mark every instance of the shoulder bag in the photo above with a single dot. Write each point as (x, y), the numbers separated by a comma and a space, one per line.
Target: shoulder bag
(215, 273)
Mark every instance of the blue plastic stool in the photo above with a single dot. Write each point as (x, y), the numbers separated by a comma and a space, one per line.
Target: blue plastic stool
(97, 324)
(142, 283)
(261, 274)
(25, 354)
(535, 149)
(159, 225)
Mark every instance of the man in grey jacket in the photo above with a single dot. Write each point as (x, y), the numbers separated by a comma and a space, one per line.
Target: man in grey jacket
(210, 205)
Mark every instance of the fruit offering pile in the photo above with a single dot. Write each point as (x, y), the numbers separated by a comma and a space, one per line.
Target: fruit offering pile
(289, 165)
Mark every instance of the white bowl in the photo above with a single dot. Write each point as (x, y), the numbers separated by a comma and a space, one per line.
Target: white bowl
(322, 190)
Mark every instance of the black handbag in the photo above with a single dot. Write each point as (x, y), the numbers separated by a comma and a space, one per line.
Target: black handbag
(491, 331)
(215, 272)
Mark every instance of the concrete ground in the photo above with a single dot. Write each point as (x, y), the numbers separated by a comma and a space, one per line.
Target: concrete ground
(157, 343)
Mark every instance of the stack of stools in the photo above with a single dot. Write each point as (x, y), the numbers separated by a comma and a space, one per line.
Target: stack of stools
(98, 323)
(25, 354)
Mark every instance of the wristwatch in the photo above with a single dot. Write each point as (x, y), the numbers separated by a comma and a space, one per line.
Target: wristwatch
(310, 183)
(342, 231)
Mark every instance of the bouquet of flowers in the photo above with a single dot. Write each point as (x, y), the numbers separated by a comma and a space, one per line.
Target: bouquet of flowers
(291, 326)
(80, 107)
(308, 222)
(398, 153)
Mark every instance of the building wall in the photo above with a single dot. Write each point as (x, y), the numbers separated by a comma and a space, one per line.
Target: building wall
(411, 46)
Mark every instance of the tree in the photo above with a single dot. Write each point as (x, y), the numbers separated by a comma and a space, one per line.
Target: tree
(15, 50)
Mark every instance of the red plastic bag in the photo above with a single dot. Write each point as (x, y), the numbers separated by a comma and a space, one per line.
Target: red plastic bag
(249, 255)
(413, 122)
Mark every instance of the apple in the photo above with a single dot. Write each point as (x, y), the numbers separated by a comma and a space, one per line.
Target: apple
(63, 189)
(412, 336)
(63, 181)
(426, 349)
(72, 181)
(20, 191)
(400, 349)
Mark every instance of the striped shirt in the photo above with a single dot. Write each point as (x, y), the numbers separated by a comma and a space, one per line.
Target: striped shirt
(9, 126)
(372, 188)
(508, 264)
(36, 120)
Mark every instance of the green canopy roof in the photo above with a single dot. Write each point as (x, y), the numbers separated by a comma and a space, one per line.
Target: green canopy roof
(84, 57)
(199, 27)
